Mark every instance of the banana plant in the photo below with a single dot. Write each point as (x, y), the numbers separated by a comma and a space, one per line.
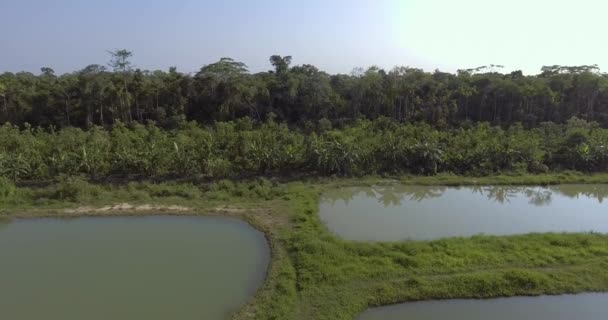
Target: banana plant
(14, 166)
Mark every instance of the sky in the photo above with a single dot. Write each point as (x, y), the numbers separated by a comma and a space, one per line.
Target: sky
(334, 35)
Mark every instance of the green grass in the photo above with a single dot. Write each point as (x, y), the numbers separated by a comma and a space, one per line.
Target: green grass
(316, 275)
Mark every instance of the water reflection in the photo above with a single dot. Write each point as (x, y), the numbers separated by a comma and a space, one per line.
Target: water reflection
(4, 222)
(388, 195)
(396, 194)
(395, 212)
(596, 191)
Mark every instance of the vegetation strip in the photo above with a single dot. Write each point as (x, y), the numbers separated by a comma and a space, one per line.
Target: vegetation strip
(315, 275)
(244, 149)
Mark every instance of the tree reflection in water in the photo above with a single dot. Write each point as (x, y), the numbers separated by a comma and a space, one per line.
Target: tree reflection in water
(538, 196)
(4, 222)
(388, 195)
(399, 193)
(347, 194)
(396, 194)
(594, 191)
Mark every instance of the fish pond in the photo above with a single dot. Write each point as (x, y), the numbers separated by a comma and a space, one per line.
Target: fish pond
(568, 307)
(135, 268)
(405, 212)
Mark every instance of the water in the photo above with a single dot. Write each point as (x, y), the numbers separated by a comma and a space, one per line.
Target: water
(399, 212)
(569, 307)
(128, 268)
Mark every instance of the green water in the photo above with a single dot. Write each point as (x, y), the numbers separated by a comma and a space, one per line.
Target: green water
(128, 268)
(569, 307)
(399, 212)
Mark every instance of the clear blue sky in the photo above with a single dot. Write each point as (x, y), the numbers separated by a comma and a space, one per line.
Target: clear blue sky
(335, 35)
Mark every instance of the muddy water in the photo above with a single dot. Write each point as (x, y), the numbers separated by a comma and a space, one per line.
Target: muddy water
(135, 268)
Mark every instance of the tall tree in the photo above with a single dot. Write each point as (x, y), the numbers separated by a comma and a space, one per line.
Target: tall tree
(227, 86)
(92, 85)
(3, 95)
(121, 64)
(280, 64)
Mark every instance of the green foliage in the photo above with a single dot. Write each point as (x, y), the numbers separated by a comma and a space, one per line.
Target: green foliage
(164, 190)
(301, 95)
(7, 189)
(258, 189)
(135, 125)
(246, 149)
(74, 189)
(338, 279)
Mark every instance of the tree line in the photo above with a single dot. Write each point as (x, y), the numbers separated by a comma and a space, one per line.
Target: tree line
(300, 95)
(242, 148)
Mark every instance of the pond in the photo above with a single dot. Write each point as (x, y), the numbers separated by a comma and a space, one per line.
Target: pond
(135, 268)
(568, 307)
(402, 212)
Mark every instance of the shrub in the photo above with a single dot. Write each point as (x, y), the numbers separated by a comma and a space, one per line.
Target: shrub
(75, 189)
(7, 189)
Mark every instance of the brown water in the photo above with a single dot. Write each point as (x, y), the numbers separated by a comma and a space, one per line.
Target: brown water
(128, 268)
(400, 212)
(568, 307)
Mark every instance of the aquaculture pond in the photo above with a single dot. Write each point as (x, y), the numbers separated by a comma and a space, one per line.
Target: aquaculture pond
(129, 268)
(402, 212)
(568, 307)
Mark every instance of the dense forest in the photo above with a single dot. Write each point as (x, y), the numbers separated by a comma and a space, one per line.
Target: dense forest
(300, 95)
(224, 122)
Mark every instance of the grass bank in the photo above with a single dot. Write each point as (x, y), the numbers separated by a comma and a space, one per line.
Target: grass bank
(316, 275)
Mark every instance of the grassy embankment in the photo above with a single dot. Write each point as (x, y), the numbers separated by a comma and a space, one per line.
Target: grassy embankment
(316, 275)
